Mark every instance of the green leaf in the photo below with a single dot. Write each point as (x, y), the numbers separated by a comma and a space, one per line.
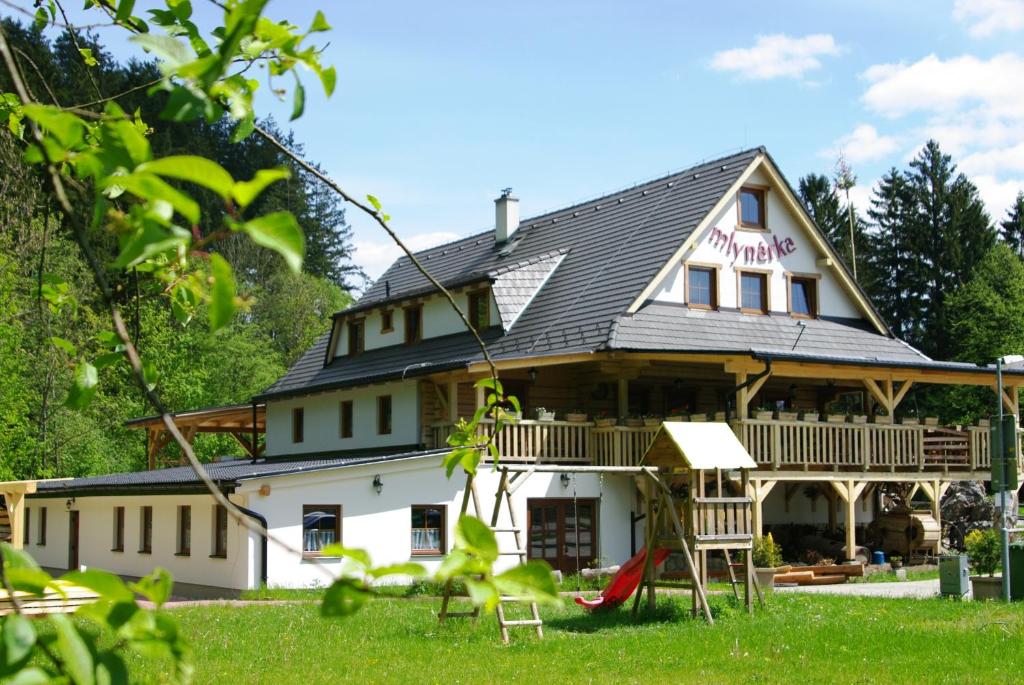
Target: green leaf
(74, 653)
(156, 587)
(328, 78)
(19, 637)
(87, 57)
(298, 100)
(151, 188)
(124, 10)
(30, 676)
(246, 125)
(150, 374)
(344, 597)
(66, 128)
(199, 170)
(173, 52)
(280, 232)
(41, 19)
(319, 23)
(532, 580)
(374, 201)
(103, 583)
(482, 594)
(245, 192)
(63, 344)
(222, 293)
(108, 359)
(407, 568)
(335, 550)
(83, 386)
(475, 537)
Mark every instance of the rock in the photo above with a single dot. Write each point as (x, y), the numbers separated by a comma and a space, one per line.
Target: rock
(966, 506)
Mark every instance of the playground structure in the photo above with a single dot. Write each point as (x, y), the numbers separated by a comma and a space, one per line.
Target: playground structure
(684, 462)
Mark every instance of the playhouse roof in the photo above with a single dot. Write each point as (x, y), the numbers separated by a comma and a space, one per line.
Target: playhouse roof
(697, 446)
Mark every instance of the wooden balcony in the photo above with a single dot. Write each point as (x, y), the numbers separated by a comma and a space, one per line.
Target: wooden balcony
(775, 445)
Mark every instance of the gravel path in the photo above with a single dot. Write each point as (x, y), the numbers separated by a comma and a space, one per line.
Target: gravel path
(913, 588)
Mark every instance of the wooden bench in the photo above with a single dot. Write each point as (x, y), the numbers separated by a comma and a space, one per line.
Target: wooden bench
(65, 598)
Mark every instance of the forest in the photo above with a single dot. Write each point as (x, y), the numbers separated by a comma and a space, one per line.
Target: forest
(947, 277)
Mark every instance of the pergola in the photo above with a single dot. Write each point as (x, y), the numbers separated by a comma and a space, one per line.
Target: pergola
(244, 422)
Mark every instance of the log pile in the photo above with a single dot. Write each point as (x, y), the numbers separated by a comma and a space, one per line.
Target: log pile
(833, 574)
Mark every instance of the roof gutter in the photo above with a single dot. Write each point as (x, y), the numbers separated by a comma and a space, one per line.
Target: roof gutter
(756, 377)
(260, 519)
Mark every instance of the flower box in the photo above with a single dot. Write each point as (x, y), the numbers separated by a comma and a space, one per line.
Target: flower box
(809, 416)
(574, 417)
(985, 422)
(635, 423)
(698, 418)
(763, 415)
(787, 415)
(651, 421)
(605, 422)
(931, 421)
(719, 416)
(544, 415)
(836, 418)
(676, 418)
(882, 419)
(987, 588)
(910, 421)
(858, 418)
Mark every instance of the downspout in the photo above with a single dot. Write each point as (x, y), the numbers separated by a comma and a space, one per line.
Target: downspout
(259, 518)
(756, 377)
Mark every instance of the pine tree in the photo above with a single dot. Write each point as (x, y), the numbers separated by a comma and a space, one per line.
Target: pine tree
(1012, 227)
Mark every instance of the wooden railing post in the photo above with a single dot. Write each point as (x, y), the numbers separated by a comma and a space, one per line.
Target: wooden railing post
(776, 439)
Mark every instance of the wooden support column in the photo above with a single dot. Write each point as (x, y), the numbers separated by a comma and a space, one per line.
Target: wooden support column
(16, 516)
(936, 490)
(758, 492)
(849, 491)
(623, 397)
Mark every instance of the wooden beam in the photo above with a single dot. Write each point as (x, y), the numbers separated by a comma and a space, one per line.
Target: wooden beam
(756, 386)
(878, 394)
(904, 387)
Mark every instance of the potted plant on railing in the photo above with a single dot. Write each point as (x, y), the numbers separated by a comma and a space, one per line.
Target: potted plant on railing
(676, 414)
(604, 419)
(984, 423)
(786, 414)
(931, 421)
(543, 414)
(809, 415)
(635, 421)
(719, 416)
(698, 418)
(764, 412)
(767, 558)
(576, 416)
(910, 419)
(651, 420)
(982, 547)
(881, 417)
(835, 418)
(858, 418)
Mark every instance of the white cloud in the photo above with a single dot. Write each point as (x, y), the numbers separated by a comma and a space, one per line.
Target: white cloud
(375, 256)
(986, 17)
(777, 56)
(935, 85)
(994, 160)
(998, 195)
(863, 144)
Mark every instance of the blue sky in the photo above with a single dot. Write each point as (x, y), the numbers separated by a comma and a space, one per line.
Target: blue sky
(440, 105)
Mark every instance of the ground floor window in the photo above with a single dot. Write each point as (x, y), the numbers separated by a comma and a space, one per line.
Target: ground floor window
(321, 526)
(563, 532)
(27, 530)
(41, 539)
(146, 530)
(220, 532)
(184, 531)
(428, 528)
(118, 545)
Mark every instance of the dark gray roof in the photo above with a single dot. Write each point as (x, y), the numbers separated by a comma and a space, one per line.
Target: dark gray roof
(614, 246)
(227, 474)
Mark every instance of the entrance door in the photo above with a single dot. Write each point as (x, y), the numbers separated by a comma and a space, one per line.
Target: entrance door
(553, 526)
(73, 541)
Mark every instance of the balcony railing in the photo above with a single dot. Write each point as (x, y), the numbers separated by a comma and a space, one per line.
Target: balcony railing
(773, 444)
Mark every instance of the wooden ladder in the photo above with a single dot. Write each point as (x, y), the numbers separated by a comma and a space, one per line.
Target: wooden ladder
(503, 494)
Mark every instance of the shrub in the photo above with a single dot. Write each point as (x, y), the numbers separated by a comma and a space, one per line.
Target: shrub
(767, 554)
(982, 547)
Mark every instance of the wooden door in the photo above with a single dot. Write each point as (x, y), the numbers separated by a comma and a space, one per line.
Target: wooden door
(553, 528)
(73, 541)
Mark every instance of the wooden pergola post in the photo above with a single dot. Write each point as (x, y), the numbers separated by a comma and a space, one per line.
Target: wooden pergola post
(14, 496)
(935, 490)
(849, 491)
(758, 491)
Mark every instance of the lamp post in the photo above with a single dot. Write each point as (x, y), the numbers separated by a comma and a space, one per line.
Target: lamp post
(1004, 494)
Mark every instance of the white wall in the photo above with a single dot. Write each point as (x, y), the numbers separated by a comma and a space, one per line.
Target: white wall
(322, 420)
(381, 523)
(96, 538)
(438, 319)
(782, 225)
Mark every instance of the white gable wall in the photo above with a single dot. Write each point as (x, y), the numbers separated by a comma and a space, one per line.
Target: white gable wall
(785, 231)
(322, 420)
(438, 319)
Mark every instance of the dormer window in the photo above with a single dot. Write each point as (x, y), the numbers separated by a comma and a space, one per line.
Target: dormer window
(356, 337)
(413, 324)
(702, 287)
(387, 323)
(752, 208)
(803, 296)
(480, 309)
(753, 292)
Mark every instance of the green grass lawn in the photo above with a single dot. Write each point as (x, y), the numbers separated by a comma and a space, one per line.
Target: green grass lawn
(795, 639)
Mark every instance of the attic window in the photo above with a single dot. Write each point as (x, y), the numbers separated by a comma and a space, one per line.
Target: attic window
(387, 323)
(413, 324)
(803, 296)
(480, 309)
(752, 210)
(356, 337)
(753, 292)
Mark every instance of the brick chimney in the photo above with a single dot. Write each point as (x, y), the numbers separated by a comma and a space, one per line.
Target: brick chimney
(506, 216)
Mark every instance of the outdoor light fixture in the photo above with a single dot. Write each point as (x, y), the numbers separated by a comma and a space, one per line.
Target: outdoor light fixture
(533, 375)
(70, 503)
(378, 484)
(565, 480)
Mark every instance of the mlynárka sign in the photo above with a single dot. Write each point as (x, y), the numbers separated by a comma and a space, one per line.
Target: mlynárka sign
(756, 251)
